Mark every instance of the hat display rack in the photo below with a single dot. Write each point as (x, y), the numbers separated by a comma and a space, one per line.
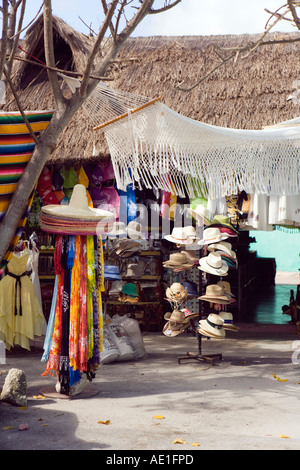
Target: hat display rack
(215, 257)
(74, 334)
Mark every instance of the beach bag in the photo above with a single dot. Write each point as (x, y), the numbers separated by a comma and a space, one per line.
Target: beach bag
(110, 352)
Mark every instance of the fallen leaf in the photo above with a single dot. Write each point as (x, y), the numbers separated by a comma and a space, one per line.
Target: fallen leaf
(283, 436)
(196, 444)
(22, 408)
(158, 417)
(44, 424)
(179, 441)
(39, 397)
(279, 379)
(104, 422)
(7, 427)
(23, 427)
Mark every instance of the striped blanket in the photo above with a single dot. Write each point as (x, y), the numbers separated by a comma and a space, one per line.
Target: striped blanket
(16, 148)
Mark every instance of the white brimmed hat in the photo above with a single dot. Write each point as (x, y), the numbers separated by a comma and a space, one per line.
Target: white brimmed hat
(200, 213)
(213, 264)
(225, 247)
(228, 321)
(182, 235)
(212, 326)
(212, 235)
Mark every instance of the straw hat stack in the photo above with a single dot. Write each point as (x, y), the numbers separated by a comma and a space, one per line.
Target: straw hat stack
(177, 321)
(76, 218)
(176, 293)
(212, 327)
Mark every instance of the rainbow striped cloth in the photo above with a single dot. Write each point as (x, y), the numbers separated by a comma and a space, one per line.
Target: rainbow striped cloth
(16, 148)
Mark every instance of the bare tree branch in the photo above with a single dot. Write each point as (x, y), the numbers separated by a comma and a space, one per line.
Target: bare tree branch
(49, 52)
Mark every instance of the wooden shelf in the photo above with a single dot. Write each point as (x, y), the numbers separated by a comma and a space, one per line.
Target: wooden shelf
(118, 302)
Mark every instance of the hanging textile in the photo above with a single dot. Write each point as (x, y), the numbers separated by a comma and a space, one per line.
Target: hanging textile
(151, 145)
(16, 148)
(21, 315)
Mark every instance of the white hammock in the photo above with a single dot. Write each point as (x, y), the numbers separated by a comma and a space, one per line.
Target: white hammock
(156, 147)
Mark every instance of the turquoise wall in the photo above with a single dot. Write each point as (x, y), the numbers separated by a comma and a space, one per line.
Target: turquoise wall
(283, 245)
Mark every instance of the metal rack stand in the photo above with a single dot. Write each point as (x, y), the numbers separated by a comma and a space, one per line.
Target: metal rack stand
(211, 358)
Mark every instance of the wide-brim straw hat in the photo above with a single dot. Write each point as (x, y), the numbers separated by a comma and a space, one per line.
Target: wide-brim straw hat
(172, 329)
(228, 321)
(180, 236)
(227, 289)
(178, 260)
(213, 326)
(76, 217)
(180, 316)
(211, 235)
(213, 264)
(223, 221)
(200, 213)
(176, 292)
(224, 247)
(215, 294)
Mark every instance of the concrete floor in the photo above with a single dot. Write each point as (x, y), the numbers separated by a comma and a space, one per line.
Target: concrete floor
(249, 400)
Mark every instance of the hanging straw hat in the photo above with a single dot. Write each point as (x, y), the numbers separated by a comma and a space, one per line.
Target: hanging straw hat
(227, 290)
(181, 236)
(224, 225)
(180, 316)
(76, 217)
(227, 317)
(211, 235)
(213, 264)
(176, 292)
(177, 322)
(178, 260)
(225, 247)
(200, 213)
(212, 326)
(215, 294)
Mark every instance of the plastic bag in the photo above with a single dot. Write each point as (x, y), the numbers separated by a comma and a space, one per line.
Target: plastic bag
(121, 340)
(110, 352)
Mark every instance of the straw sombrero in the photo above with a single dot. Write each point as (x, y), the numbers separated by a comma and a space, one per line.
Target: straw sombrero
(76, 217)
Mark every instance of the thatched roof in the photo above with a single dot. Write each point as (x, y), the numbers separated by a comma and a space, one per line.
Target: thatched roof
(248, 94)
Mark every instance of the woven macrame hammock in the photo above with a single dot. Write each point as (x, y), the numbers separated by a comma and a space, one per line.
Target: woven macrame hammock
(153, 146)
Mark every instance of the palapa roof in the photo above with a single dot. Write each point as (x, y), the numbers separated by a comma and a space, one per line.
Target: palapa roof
(247, 94)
